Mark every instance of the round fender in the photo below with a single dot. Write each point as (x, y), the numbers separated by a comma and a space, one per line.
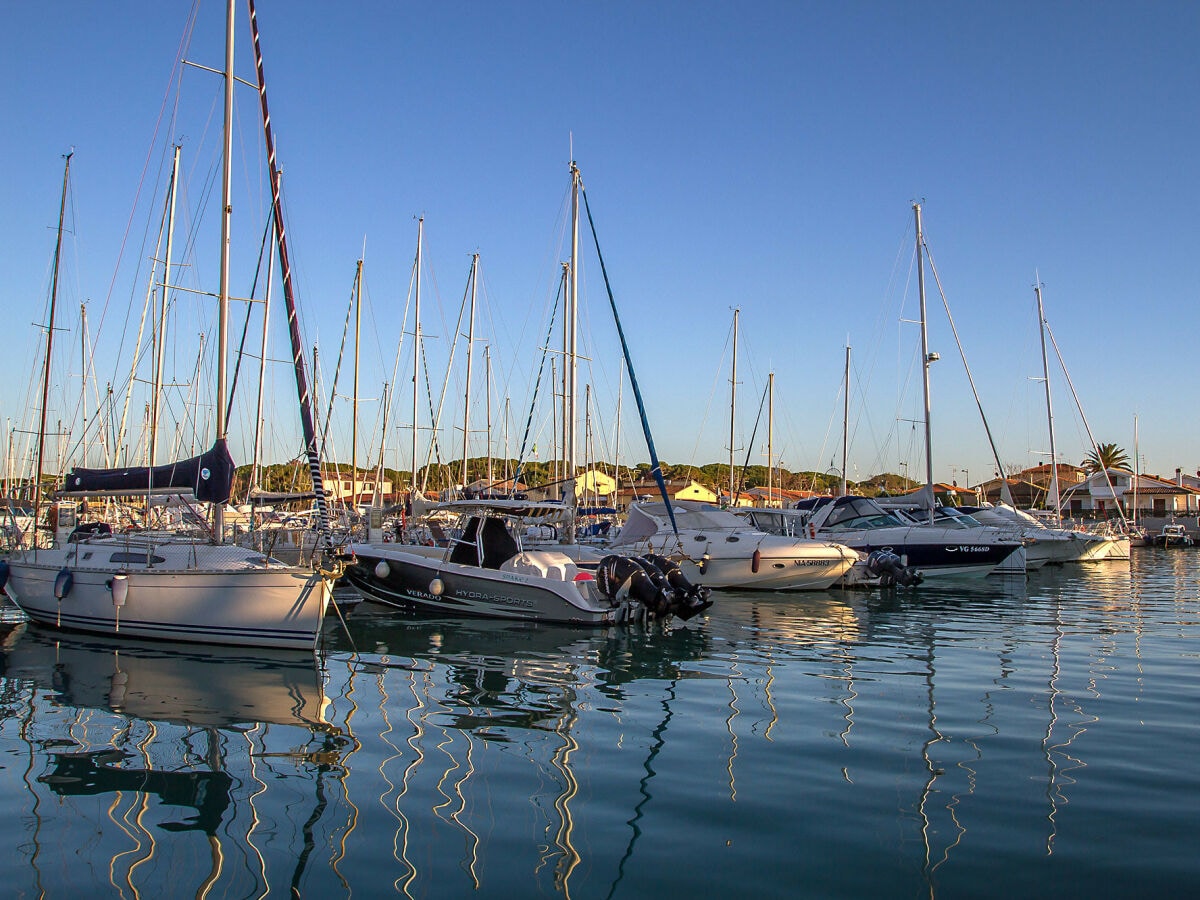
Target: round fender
(436, 587)
(63, 583)
(382, 570)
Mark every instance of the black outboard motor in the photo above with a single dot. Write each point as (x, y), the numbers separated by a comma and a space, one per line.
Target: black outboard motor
(692, 598)
(890, 570)
(619, 577)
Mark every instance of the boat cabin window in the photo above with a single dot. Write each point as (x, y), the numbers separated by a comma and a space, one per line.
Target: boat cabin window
(139, 558)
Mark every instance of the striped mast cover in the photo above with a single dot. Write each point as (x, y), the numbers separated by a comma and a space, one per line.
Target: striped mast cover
(306, 414)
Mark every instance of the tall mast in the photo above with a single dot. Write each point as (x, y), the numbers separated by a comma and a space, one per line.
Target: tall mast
(487, 381)
(733, 403)
(926, 359)
(83, 357)
(572, 319)
(470, 346)
(1053, 497)
(160, 331)
(416, 353)
(226, 220)
(307, 419)
(262, 373)
(771, 435)
(377, 494)
(564, 416)
(354, 399)
(41, 447)
(1136, 471)
(845, 420)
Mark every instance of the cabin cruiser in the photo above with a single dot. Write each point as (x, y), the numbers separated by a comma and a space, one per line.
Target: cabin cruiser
(1047, 544)
(719, 549)
(947, 547)
(484, 570)
(1172, 535)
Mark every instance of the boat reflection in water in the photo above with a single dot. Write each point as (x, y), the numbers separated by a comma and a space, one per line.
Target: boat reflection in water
(946, 734)
(142, 745)
(475, 695)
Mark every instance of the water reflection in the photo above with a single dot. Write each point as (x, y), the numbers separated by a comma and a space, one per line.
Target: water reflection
(939, 733)
(136, 751)
(463, 687)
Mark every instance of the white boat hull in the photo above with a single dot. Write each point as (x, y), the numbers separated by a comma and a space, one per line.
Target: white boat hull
(266, 606)
(801, 566)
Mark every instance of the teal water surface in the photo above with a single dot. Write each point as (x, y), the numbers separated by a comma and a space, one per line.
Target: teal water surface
(1030, 737)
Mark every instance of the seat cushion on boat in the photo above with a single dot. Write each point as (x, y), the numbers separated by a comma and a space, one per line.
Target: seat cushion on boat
(542, 564)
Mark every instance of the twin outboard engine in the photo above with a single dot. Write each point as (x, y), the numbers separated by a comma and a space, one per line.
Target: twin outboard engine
(890, 569)
(657, 583)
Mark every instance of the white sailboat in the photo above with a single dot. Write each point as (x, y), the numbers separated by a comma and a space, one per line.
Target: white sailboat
(163, 586)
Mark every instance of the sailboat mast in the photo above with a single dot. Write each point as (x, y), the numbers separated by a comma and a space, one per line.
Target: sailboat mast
(354, 398)
(1136, 471)
(255, 463)
(926, 358)
(160, 331)
(307, 419)
(771, 437)
(487, 385)
(416, 353)
(41, 447)
(223, 290)
(572, 330)
(470, 348)
(83, 370)
(1053, 497)
(845, 420)
(733, 403)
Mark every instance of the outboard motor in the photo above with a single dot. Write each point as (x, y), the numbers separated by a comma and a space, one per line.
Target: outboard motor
(692, 598)
(890, 570)
(626, 577)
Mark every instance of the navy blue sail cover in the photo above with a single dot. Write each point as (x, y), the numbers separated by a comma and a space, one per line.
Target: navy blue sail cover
(209, 476)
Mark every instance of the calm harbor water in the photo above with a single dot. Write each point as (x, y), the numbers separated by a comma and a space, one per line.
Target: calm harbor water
(1034, 737)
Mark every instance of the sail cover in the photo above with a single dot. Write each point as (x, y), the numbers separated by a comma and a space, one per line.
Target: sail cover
(208, 476)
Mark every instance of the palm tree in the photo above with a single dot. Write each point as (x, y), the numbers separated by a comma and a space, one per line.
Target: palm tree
(1106, 456)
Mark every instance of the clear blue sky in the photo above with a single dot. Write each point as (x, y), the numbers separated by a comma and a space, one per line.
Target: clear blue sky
(763, 156)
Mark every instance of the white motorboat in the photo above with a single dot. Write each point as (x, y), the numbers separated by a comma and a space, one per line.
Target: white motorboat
(1045, 544)
(1172, 535)
(860, 523)
(719, 549)
(485, 571)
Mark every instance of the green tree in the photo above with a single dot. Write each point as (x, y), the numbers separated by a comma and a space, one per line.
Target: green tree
(1105, 456)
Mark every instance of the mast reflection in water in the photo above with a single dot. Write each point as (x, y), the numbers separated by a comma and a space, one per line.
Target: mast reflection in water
(985, 739)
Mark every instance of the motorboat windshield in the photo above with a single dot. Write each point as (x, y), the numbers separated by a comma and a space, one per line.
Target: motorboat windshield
(858, 513)
(944, 517)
